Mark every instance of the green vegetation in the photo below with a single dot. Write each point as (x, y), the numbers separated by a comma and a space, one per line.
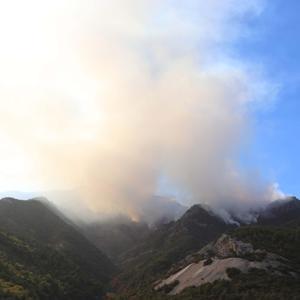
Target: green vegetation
(166, 246)
(44, 257)
(34, 271)
(257, 284)
(284, 240)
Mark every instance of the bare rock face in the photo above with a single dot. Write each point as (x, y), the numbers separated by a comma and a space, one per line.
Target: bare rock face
(227, 246)
(216, 259)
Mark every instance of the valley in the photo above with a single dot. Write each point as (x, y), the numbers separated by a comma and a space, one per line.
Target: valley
(44, 255)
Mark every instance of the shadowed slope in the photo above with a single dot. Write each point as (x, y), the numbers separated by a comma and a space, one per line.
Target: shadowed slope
(47, 256)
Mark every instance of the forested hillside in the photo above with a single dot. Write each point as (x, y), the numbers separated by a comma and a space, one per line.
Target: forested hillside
(43, 257)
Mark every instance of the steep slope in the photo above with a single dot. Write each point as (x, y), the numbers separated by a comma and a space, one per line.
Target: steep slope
(116, 236)
(281, 212)
(168, 244)
(257, 261)
(47, 257)
(251, 262)
(218, 261)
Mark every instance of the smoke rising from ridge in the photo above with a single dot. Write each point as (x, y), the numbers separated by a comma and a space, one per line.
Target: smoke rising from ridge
(108, 97)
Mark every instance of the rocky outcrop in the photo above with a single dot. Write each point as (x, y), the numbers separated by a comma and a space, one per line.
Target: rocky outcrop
(227, 246)
(214, 261)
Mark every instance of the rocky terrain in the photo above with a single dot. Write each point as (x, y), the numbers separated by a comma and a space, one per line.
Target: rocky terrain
(44, 255)
(217, 258)
(200, 256)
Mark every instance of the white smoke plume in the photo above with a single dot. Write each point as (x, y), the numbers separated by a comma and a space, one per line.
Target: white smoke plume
(107, 97)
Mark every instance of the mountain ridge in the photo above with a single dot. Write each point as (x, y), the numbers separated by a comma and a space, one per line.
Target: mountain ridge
(52, 258)
(161, 255)
(55, 256)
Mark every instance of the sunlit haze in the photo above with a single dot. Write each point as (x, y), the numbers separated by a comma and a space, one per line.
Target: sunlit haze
(121, 100)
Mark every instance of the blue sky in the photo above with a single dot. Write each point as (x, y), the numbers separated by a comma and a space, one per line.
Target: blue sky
(275, 45)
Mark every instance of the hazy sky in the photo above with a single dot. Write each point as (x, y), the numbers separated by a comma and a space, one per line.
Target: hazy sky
(125, 98)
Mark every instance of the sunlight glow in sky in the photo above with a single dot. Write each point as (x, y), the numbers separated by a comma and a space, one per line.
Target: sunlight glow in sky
(47, 65)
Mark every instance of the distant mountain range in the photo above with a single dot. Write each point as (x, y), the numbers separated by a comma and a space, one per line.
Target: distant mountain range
(44, 255)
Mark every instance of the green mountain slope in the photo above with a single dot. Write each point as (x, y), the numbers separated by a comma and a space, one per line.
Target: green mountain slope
(277, 232)
(166, 245)
(256, 284)
(44, 257)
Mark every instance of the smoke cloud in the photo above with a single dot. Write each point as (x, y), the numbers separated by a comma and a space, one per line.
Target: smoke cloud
(107, 98)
